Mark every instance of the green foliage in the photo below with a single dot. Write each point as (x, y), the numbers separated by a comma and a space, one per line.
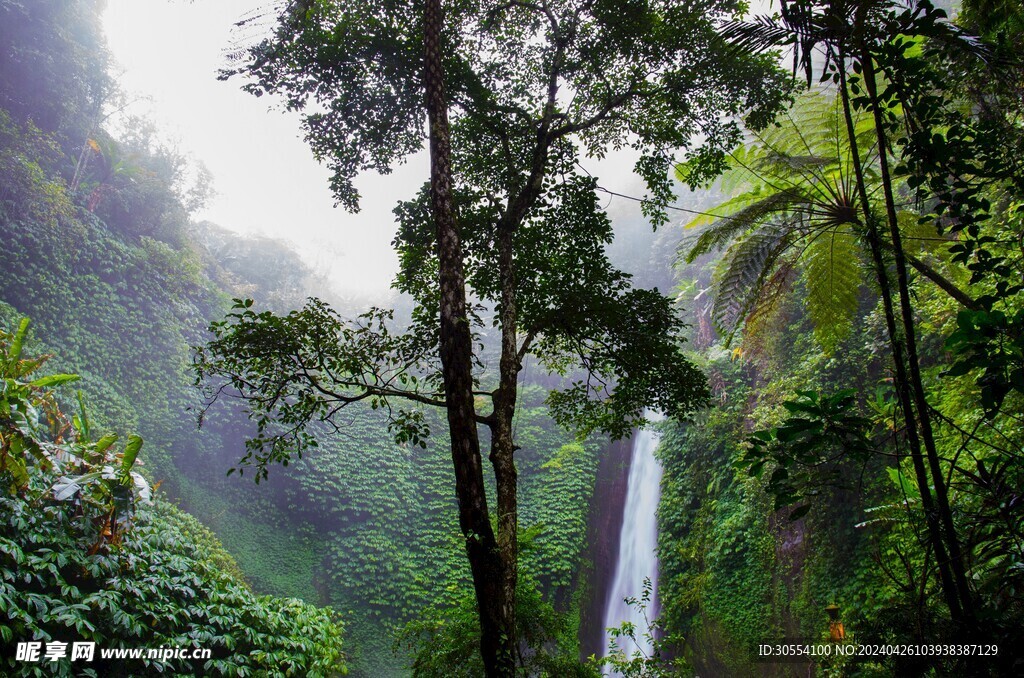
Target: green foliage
(794, 206)
(91, 287)
(122, 312)
(312, 366)
(531, 237)
(746, 265)
(55, 65)
(716, 548)
(833, 284)
(503, 70)
(581, 315)
(444, 642)
(359, 72)
(97, 245)
(563, 482)
(28, 158)
(395, 549)
(807, 449)
(994, 343)
(82, 555)
(22, 404)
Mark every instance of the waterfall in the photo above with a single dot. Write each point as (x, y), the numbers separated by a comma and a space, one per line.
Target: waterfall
(638, 540)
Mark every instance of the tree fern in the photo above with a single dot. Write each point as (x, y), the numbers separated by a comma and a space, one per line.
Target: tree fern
(765, 314)
(719, 233)
(791, 183)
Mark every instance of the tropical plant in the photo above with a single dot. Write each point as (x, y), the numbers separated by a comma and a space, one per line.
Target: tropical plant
(28, 410)
(806, 451)
(628, 654)
(794, 208)
(84, 552)
(894, 84)
(444, 641)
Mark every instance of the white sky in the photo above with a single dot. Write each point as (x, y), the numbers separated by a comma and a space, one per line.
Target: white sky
(266, 179)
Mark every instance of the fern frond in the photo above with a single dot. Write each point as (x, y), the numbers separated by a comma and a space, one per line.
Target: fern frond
(731, 225)
(745, 266)
(833, 280)
(724, 211)
(764, 315)
(797, 161)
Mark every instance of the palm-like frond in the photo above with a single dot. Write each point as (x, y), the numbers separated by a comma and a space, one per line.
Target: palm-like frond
(745, 266)
(948, 36)
(764, 315)
(833, 278)
(799, 169)
(804, 25)
(757, 34)
(795, 186)
(753, 210)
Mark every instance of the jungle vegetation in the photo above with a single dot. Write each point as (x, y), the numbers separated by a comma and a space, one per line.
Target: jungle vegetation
(879, 217)
(842, 364)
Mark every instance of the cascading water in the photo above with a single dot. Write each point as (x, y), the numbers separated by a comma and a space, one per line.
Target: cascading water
(638, 540)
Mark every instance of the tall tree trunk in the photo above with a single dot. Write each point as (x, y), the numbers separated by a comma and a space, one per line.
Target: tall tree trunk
(903, 391)
(909, 332)
(502, 443)
(497, 633)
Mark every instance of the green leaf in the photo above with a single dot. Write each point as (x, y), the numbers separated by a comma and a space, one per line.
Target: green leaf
(907, 489)
(81, 420)
(833, 284)
(131, 451)
(67, 487)
(54, 380)
(14, 353)
(747, 263)
(104, 443)
(15, 465)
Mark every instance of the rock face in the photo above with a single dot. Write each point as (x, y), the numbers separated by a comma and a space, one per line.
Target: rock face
(603, 530)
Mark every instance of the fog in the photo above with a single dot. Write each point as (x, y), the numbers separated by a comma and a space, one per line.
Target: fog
(266, 180)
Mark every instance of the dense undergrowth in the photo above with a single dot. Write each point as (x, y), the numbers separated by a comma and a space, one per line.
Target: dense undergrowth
(762, 528)
(865, 448)
(88, 556)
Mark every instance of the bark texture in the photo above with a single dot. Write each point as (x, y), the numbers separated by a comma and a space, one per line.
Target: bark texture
(490, 570)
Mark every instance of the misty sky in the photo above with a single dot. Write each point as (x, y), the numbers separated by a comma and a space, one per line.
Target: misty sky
(168, 52)
(265, 177)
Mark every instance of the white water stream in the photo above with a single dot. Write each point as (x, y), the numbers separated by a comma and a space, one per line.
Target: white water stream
(638, 540)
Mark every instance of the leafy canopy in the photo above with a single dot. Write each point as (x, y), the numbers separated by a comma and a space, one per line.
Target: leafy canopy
(532, 88)
(650, 75)
(793, 206)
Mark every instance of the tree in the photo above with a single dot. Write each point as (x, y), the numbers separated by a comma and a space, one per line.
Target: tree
(794, 207)
(848, 30)
(530, 87)
(53, 66)
(892, 50)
